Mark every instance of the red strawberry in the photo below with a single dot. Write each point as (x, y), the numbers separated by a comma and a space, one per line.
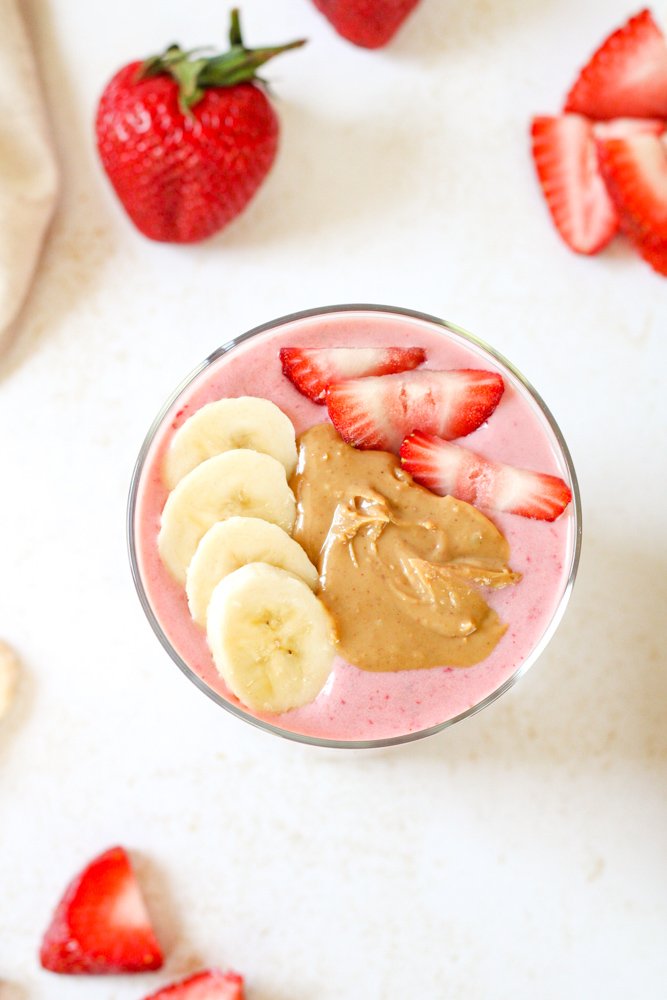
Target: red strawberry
(209, 985)
(378, 412)
(369, 23)
(566, 162)
(635, 169)
(449, 470)
(654, 254)
(627, 76)
(311, 369)
(186, 141)
(621, 128)
(101, 924)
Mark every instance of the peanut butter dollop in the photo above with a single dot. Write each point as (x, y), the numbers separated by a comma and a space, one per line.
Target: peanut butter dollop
(401, 570)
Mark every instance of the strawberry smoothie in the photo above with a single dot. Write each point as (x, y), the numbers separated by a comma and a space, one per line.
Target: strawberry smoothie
(356, 707)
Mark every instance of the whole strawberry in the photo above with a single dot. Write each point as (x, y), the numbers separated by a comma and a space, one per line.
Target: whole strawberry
(369, 23)
(186, 140)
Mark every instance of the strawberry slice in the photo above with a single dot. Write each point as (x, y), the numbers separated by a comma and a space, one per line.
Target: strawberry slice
(312, 369)
(101, 924)
(210, 985)
(378, 412)
(449, 470)
(627, 76)
(566, 162)
(654, 254)
(621, 128)
(635, 169)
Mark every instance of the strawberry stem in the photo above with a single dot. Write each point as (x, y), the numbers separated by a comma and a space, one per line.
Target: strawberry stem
(235, 29)
(195, 75)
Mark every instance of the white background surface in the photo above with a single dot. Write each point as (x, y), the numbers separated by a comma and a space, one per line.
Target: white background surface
(519, 855)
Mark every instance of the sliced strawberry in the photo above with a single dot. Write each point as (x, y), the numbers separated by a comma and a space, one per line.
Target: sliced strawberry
(378, 412)
(654, 254)
(627, 76)
(566, 162)
(101, 924)
(312, 369)
(449, 470)
(210, 985)
(621, 128)
(635, 169)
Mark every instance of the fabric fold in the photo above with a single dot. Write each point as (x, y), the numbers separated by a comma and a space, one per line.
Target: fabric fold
(28, 168)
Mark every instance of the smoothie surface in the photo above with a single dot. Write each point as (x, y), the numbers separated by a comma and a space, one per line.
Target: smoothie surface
(360, 705)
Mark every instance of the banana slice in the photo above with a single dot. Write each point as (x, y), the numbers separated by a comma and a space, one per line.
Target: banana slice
(271, 638)
(233, 543)
(246, 422)
(236, 484)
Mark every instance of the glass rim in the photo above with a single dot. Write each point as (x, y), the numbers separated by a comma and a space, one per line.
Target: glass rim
(389, 741)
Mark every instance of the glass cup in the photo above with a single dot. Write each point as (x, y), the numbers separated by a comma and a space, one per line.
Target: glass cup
(248, 365)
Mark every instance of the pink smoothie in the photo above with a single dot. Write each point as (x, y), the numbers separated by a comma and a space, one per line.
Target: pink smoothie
(355, 705)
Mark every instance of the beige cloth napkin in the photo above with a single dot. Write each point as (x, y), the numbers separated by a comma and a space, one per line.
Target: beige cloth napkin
(28, 171)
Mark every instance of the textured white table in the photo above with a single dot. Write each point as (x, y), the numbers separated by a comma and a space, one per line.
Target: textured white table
(520, 855)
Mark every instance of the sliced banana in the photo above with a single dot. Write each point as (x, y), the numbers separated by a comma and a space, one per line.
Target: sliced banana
(271, 638)
(239, 483)
(246, 422)
(9, 671)
(233, 543)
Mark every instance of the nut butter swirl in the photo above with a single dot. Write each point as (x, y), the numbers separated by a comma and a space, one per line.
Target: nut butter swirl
(400, 568)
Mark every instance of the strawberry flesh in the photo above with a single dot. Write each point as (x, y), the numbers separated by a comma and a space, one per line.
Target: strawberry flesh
(101, 924)
(312, 369)
(654, 254)
(209, 985)
(567, 167)
(627, 76)
(369, 23)
(635, 169)
(379, 411)
(449, 470)
(621, 128)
